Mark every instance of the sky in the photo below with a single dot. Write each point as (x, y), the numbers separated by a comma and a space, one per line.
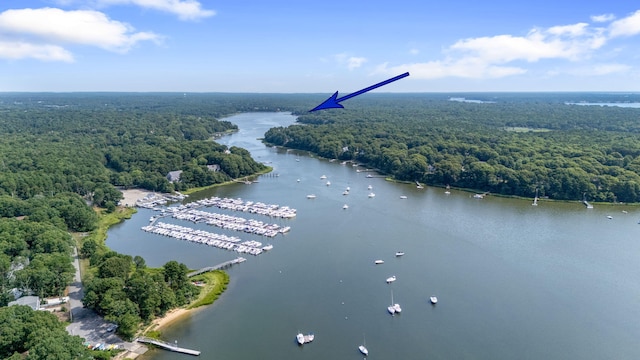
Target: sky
(276, 46)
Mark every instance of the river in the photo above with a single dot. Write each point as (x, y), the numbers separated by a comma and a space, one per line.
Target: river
(514, 281)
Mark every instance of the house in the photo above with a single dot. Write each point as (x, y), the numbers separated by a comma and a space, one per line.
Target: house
(214, 167)
(174, 176)
(32, 301)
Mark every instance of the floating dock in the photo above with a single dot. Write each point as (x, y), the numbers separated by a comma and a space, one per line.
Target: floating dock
(167, 346)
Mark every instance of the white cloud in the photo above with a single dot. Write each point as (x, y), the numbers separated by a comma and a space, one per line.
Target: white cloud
(351, 62)
(414, 51)
(490, 56)
(185, 9)
(602, 18)
(602, 69)
(626, 26)
(50, 28)
(16, 50)
(355, 62)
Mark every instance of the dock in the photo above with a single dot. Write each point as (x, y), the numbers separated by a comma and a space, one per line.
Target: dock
(223, 265)
(167, 346)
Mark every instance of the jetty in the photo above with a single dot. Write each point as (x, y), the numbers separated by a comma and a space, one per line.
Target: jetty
(167, 346)
(223, 265)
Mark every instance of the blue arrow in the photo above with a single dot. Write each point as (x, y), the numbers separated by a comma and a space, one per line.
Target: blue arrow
(333, 101)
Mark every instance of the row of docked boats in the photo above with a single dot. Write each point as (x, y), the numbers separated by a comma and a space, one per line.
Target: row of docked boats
(259, 208)
(220, 241)
(225, 221)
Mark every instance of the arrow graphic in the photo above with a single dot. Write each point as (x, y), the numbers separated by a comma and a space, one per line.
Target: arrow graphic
(334, 101)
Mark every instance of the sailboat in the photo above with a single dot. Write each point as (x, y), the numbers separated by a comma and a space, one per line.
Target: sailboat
(394, 308)
(447, 192)
(363, 347)
(535, 199)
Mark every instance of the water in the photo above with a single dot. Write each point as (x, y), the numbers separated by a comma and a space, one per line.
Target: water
(514, 281)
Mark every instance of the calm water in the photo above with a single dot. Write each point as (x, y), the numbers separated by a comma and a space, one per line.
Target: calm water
(514, 281)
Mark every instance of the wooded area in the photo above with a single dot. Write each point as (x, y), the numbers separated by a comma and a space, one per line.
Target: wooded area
(512, 144)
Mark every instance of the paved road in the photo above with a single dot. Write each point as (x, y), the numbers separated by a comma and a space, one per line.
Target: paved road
(86, 323)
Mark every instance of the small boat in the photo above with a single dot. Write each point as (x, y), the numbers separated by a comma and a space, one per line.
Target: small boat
(303, 339)
(371, 195)
(403, 196)
(346, 192)
(363, 348)
(535, 199)
(298, 180)
(418, 186)
(369, 175)
(323, 177)
(399, 253)
(609, 217)
(391, 279)
(267, 247)
(311, 196)
(348, 188)
(369, 187)
(328, 183)
(434, 300)
(345, 206)
(478, 196)
(394, 307)
(447, 192)
(378, 262)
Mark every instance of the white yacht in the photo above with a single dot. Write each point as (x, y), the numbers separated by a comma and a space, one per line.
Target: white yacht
(433, 299)
(363, 348)
(328, 183)
(267, 247)
(372, 195)
(399, 253)
(303, 339)
(403, 196)
(478, 196)
(369, 187)
(391, 279)
(378, 262)
(345, 206)
(346, 192)
(311, 196)
(323, 177)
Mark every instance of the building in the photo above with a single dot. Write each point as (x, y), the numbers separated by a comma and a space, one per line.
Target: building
(174, 176)
(32, 301)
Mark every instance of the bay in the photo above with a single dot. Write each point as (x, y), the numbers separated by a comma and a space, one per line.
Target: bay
(554, 281)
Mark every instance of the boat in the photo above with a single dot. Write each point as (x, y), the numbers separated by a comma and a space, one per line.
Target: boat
(267, 247)
(298, 180)
(447, 192)
(609, 217)
(394, 307)
(348, 188)
(328, 183)
(535, 199)
(372, 195)
(399, 253)
(391, 279)
(478, 196)
(403, 196)
(345, 206)
(434, 300)
(363, 348)
(378, 262)
(323, 177)
(346, 192)
(418, 186)
(311, 196)
(369, 176)
(369, 187)
(303, 339)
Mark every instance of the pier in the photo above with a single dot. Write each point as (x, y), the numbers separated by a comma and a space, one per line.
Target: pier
(223, 265)
(167, 346)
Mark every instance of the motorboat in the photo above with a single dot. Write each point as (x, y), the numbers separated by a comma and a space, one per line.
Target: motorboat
(267, 247)
(363, 350)
(378, 262)
(369, 187)
(391, 279)
(399, 253)
(345, 206)
(478, 196)
(311, 196)
(403, 196)
(372, 195)
(328, 183)
(323, 177)
(303, 339)
(346, 192)
(433, 299)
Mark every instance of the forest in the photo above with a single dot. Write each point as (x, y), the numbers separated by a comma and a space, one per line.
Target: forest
(509, 144)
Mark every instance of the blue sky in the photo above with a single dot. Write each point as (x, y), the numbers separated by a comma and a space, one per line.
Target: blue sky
(318, 47)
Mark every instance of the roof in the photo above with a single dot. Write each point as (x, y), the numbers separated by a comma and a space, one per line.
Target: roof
(32, 301)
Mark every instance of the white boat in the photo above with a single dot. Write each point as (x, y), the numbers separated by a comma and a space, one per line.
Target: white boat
(447, 192)
(433, 299)
(328, 183)
(418, 186)
(372, 195)
(348, 188)
(298, 180)
(378, 262)
(478, 196)
(363, 348)
(394, 307)
(267, 247)
(346, 192)
(403, 196)
(535, 199)
(345, 206)
(323, 177)
(311, 196)
(391, 279)
(399, 253)
(369, 175)
(609, 217)
(369, 187)
(303, 339)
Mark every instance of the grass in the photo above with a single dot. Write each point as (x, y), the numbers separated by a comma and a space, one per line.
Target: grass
(215, 284)
(197, 189)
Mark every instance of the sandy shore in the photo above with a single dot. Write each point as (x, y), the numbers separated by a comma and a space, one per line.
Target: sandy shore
(169, 318)
(130, 196)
